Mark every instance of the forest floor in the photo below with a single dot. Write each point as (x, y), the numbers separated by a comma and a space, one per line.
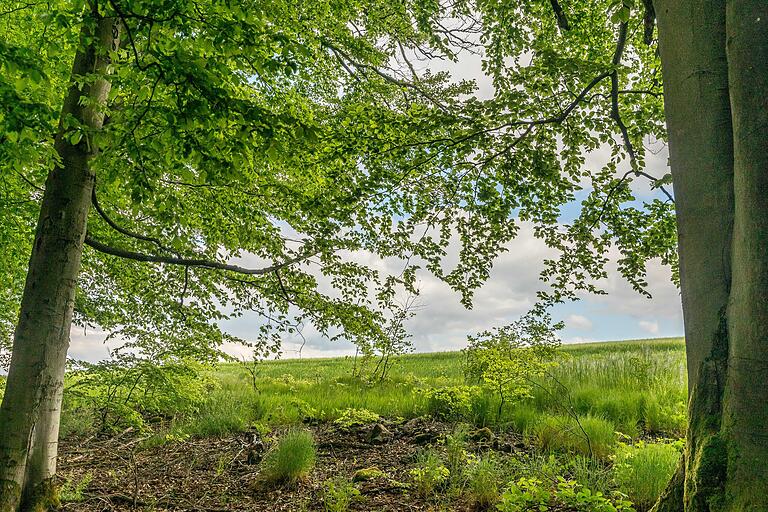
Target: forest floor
(222, 473)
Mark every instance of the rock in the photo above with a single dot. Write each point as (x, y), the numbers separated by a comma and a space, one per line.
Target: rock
(380, 434)
(482, 434)
(366, 474)
(254, 457)
(507, 447)
(424, 438)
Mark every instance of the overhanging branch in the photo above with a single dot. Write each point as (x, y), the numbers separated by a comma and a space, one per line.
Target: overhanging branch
(191, 262)
(123, 230)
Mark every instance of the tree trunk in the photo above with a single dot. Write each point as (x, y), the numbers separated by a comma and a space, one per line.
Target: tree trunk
(745, 421)
(29, 414)
(716, 118)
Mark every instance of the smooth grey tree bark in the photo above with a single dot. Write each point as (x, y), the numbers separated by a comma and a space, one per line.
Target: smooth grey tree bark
(31, 405)
(714, 63)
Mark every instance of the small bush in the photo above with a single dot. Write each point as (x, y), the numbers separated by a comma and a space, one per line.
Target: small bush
(291, 459)
(450, 403)
(338, 494)
(429, 474)
(643, 470)
(483, 483)
(356, 417)
(528, 494)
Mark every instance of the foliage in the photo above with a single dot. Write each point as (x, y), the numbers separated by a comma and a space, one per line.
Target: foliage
(429, 474)
(450, 403)
(294, 119)
(72, 492)
(644, 469)
(356, 417)
(128, 390)
(291, 459)
(508, 359)
(338, 494)
(533, 494)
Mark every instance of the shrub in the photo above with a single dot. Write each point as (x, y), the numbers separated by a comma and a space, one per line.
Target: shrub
(528, 494)
(643, 470)
(338, 494)
(450, 403)
(507, 359)
(129, 390)
(429, 473)
(356, 417)
(483, 483)
(291, 459)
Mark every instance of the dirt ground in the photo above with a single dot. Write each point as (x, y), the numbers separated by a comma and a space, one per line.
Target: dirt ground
(222, 473)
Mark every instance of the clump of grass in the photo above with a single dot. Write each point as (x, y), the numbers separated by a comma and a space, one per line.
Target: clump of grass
(456, 450)
(643, 470)
(291, 459)
(429, 474)
(483, 483)
(589, 435)
(524, 417)
(72, 492)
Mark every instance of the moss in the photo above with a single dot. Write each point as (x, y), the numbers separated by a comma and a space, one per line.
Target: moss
(44, 497)
(10, 493)
(372, 473)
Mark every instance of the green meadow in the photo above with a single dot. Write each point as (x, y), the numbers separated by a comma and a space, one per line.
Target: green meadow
(634, 388)
(605, 418)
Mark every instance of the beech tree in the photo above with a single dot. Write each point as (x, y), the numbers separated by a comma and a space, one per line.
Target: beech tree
(295, 133)
(210, 156)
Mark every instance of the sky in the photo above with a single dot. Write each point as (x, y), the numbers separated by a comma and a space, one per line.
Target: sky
(442, 323)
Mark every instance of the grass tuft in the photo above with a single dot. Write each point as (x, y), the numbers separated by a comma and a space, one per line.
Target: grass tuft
(291, 459)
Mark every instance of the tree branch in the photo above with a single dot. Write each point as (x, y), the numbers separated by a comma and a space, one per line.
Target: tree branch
(123, 230)
(562, 21)
(191, 262)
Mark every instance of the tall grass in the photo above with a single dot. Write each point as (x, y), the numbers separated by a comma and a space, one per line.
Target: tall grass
(643, 471)
(637, 386)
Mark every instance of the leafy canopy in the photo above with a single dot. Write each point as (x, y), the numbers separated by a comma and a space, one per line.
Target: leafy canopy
(292, 136)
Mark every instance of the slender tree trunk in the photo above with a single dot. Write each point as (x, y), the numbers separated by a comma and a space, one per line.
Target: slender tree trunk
(717, 119)
(29, 414)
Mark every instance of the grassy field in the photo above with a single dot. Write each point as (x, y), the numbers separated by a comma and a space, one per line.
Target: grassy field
(639, 387)
(607, 416)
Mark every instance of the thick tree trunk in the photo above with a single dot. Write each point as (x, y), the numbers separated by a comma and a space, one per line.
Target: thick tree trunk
(714, 59)
(29, 415)
(745, 422)
(692, 43)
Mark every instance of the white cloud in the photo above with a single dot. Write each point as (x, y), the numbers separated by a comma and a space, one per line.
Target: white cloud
(578, 322)
(649, 326)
